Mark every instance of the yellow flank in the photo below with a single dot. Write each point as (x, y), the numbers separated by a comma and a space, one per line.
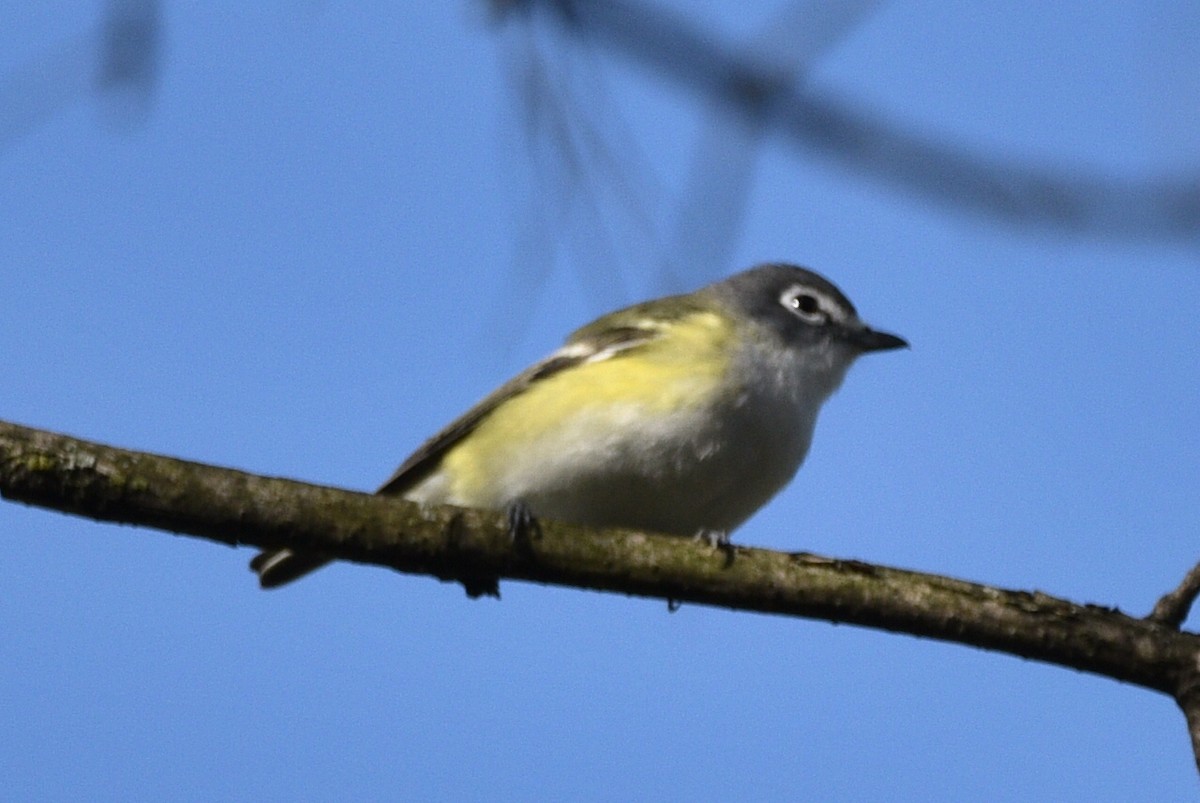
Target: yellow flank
(587, 403)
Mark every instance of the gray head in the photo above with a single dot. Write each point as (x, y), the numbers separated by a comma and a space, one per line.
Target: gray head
(803, 309)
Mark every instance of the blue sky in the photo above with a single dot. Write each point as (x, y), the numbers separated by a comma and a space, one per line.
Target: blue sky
(307, 255)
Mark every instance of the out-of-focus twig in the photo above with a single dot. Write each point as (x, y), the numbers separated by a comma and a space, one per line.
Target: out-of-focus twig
(714, 202)
(119, 56)
(1014, 190)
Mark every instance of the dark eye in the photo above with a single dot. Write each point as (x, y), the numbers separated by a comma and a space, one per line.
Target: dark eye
(806, 306)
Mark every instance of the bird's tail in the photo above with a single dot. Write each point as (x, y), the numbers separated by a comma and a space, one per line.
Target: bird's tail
(276, 567)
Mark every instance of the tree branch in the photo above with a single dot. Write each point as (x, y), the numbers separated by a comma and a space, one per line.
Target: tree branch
(1187, 695)
(233, 507)
(1174, 606)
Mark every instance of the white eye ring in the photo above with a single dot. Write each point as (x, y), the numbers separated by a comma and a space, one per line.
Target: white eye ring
(805, 305)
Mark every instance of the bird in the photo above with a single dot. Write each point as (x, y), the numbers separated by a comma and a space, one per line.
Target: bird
(681, 415)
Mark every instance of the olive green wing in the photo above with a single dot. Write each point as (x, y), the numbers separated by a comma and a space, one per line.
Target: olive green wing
(610, 335)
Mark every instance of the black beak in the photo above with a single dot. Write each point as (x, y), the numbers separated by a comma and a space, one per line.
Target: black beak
(868, 339)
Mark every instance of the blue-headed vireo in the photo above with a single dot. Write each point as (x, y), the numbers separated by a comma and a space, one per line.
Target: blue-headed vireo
(680, 415)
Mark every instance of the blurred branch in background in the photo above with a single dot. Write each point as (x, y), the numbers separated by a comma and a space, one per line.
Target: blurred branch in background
(131, 50)
(763, 85)
(595, 192)
(714, 200)
(119, 60)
